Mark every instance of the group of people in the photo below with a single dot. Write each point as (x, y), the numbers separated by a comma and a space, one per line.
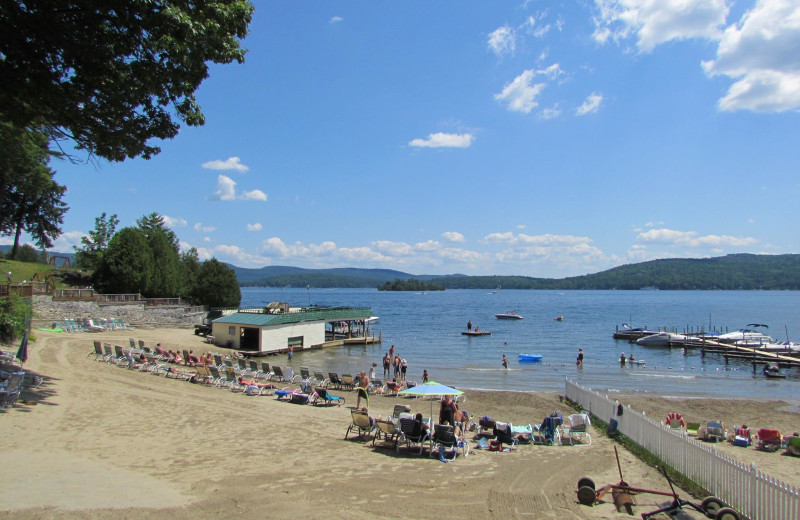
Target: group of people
(393, 359)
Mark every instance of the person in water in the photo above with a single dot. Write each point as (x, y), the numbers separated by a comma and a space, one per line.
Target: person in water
(505, 362)
(622, 360)
(579, 361)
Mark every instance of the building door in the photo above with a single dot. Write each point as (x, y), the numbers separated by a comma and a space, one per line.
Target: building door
(248, 338)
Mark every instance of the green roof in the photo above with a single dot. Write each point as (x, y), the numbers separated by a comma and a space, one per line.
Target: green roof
(260, 319)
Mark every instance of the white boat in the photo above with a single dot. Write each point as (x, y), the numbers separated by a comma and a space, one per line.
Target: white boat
(663, 339)
(785, 346)
(508, 316)
(372, 319)
(751, 336)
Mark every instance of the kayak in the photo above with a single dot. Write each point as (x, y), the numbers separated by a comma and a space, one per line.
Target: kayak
(530, 357)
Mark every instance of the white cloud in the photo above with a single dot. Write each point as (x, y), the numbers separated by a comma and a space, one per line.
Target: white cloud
(551, 113)
(442, 140)
(64, 243)
(654, 22)
(254, 227)
(254, 195)
(453, 236)
(336, 19)
(535, 28)
(502, 41)
(203, 229)
(520, 95)
(428, 245)
(174, 222)
(762, 53)
(691, 239)
(590, 105)
(226, 188)
(231, 163)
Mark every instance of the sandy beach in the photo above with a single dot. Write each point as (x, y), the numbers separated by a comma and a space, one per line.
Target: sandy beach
(107, 442)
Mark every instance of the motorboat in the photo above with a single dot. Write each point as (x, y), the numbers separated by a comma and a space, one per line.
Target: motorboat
(773, 371)
(750, 335)
(785, 346)
(372, 319)
(529, 358)
(508, 316)
(663, 339)
(631, 333)
(476, 333)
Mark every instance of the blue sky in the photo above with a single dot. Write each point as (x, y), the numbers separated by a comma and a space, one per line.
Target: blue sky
(536, 138)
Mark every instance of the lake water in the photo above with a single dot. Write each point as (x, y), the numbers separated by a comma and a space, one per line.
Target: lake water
(425, 329)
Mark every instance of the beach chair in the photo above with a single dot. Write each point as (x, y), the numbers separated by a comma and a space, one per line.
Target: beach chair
(323, 396)
(322, 381)
(91, 326)
(266, 371)
(254, 370)
(793, 445)
(361, 423)
(10, 395)
(692, 428)
(675, 422)
(548, 432)
(444, 442)
(98, 353)
(576, 429)
(387, 430)
(242, 369)
(409, 436)
(399, 409)
(769, 440)
(299, 397)
(741, 437)
(277, 374)
(218, 379)
(348, 382)
(335, 380)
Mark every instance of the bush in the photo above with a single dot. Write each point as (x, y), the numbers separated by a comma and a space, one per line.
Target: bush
(14, 315)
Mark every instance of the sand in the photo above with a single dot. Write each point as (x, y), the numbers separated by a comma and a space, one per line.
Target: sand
(107, 442)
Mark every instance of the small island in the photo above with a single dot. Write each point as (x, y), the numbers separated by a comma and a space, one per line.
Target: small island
(410, 285)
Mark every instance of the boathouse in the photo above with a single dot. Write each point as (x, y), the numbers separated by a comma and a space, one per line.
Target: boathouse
(277, 327)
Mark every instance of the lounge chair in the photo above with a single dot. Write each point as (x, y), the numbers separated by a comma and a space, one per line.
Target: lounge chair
(360, 422)
(299, 398)
(98, 353)
(91, 326)
(399, 409)
(444, 441)
(386, 429)
(242, 369)
(348, 382)
(254, 370)
(769, 440)
(335, 380)
(793, 445)
(10, 395)
(322, 381)
(409, 434)
(323, 396)
(692, 428)
(266, 371)
(285, 393)
(548, 432)
(714, 432)
(741, 437)
(578, 423)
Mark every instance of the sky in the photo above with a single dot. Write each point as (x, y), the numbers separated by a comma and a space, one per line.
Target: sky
(536, 138)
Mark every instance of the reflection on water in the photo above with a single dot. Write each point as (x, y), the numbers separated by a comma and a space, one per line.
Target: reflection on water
(426, 330)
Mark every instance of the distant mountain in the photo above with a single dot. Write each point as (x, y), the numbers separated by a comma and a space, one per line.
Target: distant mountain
(282, 276)
(737, 271)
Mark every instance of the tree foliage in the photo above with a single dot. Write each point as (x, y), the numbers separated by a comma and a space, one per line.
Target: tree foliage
(410, 285)
(216, 285)
(95, 243)
(165, 278)
(14, 314)
(30, 199)
(127, 264)
(112, 75)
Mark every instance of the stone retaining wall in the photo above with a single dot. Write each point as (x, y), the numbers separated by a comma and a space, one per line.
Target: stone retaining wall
(46, 311)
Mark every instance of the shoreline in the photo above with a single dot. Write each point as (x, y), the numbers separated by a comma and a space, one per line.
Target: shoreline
(182, 450)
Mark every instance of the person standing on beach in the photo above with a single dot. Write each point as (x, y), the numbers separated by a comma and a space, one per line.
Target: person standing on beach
(579, 362)
(469, 325)
(424, 376)
(505, 362)
(361, 389)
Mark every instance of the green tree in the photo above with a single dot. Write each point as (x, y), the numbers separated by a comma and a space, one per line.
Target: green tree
(28, 254)
(190, 267)
(30, 200)
(216, 285)
(14, 314)
(126, 265)
(90, 254)
(111, 75)
(165, 280)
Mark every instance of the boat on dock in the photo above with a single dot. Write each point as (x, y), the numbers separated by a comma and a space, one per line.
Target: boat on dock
(747, 334)
(632, 333)
(508, 316)
(664, 339)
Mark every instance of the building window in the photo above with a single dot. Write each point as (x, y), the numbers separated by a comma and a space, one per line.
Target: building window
(296, 341)
(231, 330)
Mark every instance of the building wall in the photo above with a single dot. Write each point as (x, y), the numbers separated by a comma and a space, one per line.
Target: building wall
(273, 338)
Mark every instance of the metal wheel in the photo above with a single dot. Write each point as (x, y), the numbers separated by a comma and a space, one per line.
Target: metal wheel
(727, 513)
(586, 496)
(711, 505)
(586, 481)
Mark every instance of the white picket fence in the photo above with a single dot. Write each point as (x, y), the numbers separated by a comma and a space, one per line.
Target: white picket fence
(753, 493)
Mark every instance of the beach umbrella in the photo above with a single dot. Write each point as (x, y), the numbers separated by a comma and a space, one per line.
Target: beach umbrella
(22, 353)
(431, 388)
